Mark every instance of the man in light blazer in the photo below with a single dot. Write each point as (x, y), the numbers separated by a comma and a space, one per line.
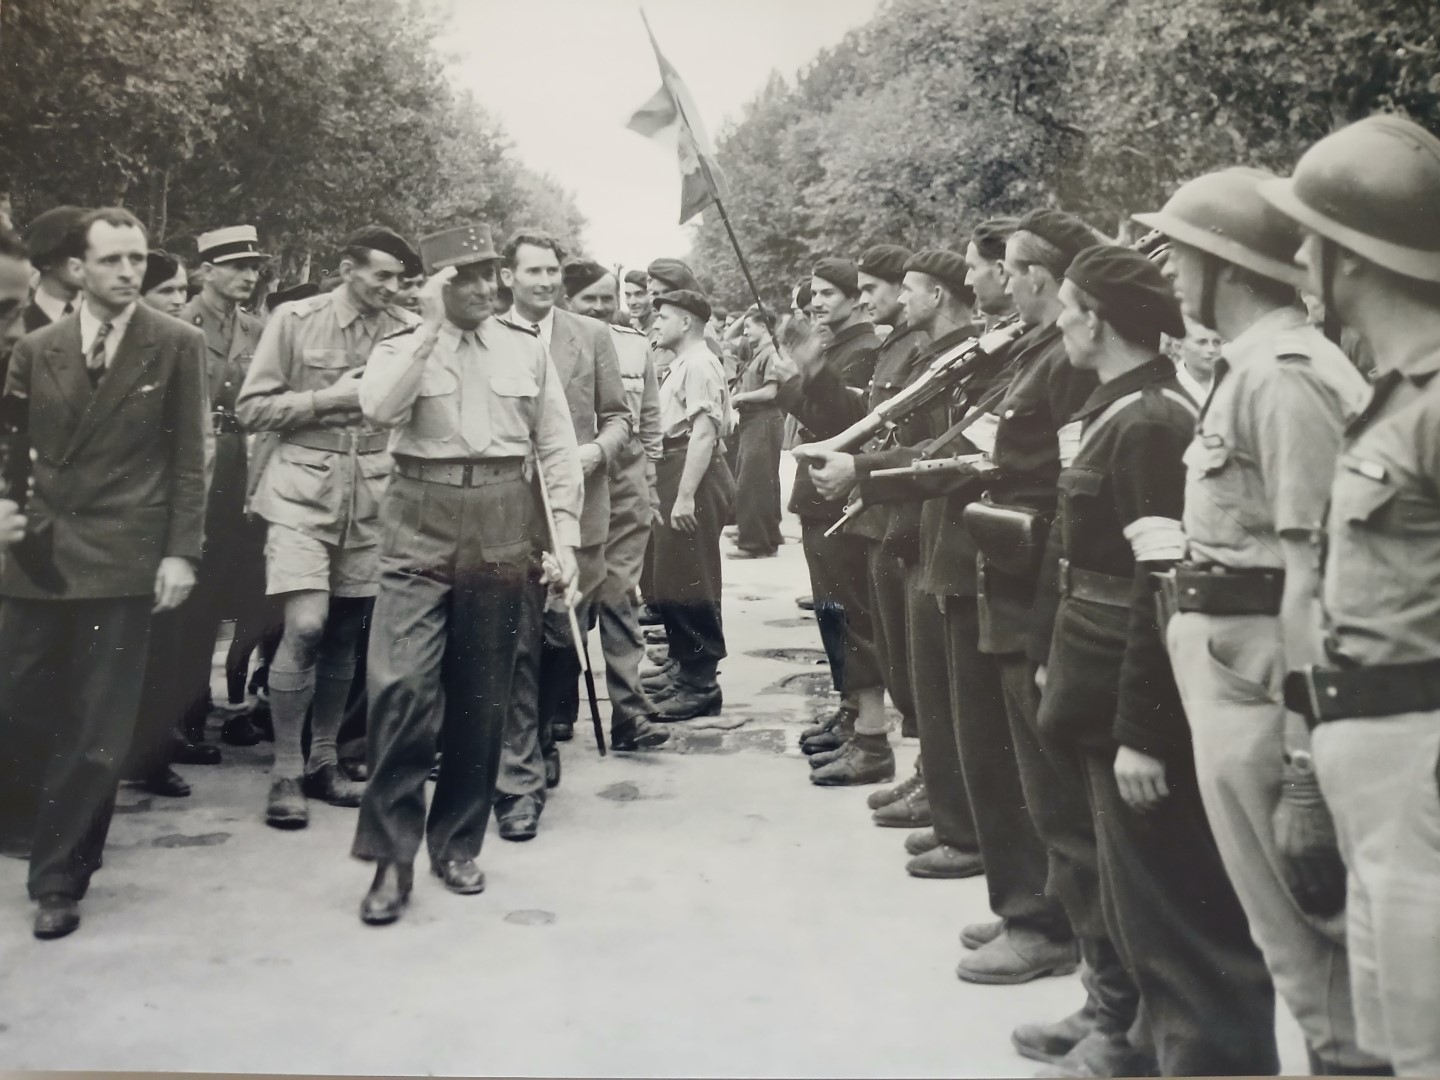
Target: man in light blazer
(112, 405)
(547, 673)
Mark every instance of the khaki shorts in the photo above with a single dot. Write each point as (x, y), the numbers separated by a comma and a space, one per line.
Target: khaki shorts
(296, 562)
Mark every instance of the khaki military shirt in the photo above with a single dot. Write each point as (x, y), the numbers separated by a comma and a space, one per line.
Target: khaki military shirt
(642, 389)
(1261, 462)
(1382, 569)
(694, 386)
(476, 396)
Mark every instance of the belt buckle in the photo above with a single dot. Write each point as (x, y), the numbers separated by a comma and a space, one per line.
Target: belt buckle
(467, 475)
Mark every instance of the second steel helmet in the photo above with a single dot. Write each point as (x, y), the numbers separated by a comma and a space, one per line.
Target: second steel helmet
(1374, 188)
(1223, 214)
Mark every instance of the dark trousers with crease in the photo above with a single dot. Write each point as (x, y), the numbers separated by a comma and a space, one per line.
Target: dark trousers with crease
(840, 582)
(889, 608)
(757, 480)
(69, 693)
(687, 567)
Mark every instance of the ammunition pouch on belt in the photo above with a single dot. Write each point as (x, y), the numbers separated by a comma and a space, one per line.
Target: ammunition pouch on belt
(1324, 694)
(1011, 538)
(340, 442)
(1109, 589)
(1220, 590)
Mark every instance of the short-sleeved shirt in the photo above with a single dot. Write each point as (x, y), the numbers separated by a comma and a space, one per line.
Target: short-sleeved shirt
(1382, 568)
(1261, 463)
(758, 373)
(695, 385)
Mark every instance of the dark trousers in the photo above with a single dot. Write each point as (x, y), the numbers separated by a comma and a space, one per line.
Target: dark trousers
(889, 606)
(840, 583)
(69, 691)
(982, 748)
(1053, 782)
(950, 804)
(1208, 999)
(757, 480)
(687, 568)
(442, 656)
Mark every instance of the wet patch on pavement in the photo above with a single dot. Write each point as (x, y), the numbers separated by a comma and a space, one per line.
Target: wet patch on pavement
(624, 791)
(791, 624)
(180, 840)
(813, 657)
(811, 683)
(531, 917)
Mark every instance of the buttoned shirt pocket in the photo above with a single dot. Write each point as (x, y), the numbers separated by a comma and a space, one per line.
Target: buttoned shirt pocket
(1225, 506)
(436, 412)
(1374, 516)
(305, 479)
(319, 368)
(512, 407)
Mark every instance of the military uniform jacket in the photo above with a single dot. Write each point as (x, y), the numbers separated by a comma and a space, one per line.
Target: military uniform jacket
(642, 396)
(118, 471)
(1120, 500)
(850, 357)
(306, 346)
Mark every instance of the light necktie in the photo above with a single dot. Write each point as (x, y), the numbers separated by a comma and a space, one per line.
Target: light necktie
(95, 360)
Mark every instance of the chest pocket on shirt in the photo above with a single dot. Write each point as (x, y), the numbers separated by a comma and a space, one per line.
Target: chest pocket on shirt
(435, 414)
(1366, 495)
(1079, 489)
(513, 407)
(321, 367)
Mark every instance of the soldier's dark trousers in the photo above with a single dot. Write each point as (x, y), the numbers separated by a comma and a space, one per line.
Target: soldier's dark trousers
(1208, 999)
(442, 656)
(980, 740)
(1053, 782)
(889, 608)
(950, 805)
(69, 692)
(757, 480)
(840, 583)
(687, 568)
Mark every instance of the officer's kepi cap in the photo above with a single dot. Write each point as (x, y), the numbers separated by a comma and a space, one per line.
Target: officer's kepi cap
(1133, 295)
(686, 299)
(460, 246)
(230, 244)
(673, 274)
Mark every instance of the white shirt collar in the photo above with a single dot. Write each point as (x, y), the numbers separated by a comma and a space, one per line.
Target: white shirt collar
(546, 326)
(1193, 386)
(90, 326)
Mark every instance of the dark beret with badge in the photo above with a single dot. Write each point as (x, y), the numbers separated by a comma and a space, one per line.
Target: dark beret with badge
(1133, 295)
(379, 238)
(687, 300)
(460, 246)
(578, 275)
(886, 262)
(946, 267)
(674, 274)
(842, 273)
(1065, 231)
(55, 235)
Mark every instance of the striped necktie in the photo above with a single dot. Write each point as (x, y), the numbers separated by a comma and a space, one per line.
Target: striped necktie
(95, 360)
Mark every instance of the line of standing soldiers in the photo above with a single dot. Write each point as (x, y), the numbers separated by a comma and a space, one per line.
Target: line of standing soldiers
(1173, 662)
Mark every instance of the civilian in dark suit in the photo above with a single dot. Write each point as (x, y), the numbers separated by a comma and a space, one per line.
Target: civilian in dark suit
(114, 398)
(55, 238)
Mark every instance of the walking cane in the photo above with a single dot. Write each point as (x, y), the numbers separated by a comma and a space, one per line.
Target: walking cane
(582, 645)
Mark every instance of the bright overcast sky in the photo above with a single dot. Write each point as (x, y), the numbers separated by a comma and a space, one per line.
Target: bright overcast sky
(563, 76)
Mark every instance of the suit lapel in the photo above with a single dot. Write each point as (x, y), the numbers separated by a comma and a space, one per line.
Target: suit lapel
(563, 350)
(134, 358)
(67, 367)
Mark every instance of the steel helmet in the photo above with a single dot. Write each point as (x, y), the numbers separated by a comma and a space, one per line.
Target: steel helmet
(1374, 188)
(1223, 214)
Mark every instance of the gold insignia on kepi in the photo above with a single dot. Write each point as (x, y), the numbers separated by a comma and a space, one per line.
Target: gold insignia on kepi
(458, 246)
(230, 244)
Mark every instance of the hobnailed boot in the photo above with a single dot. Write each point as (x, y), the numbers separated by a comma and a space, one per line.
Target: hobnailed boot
(886, 796)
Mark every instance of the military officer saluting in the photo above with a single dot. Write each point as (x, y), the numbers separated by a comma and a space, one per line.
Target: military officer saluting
(474, 405)
(1365, 198)
(1257, 482)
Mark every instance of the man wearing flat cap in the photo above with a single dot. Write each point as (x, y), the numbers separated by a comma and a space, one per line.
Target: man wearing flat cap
(697, 494)
(320, 491)
(54, 239)
(475, 409)
(1109, 697)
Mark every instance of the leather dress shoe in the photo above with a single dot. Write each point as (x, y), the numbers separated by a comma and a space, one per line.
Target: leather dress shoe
(855, 766)
(978, 935)
(921, 841)
(944, 861)
(1051, 1042)
(824, 757)
(842, 717)
(1017, 957)
(239, 731)
(388, 895)
(552, 769)
(355, 769)
(187, 752)
(166, 782)
(518, 817)
(286, 807)
(329, 784)
(911, 812)
(562, 730)
(655, 635)
(1103, 1054)
(648, 616)
(687, 702)
(885, 796)
(805, 603)
(460, 876)
(58, 916)
(637, 734)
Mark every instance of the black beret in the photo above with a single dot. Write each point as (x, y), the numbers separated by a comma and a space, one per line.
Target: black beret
(580, 274)
(838, 272)
(637, 277)
(674, 274)
(1134, 296)
(946, 267)
(1066, 231)
(55, 233)
(160, 267)
(379, 238)
(990, 235)
(296, 292)
(688, 299)
(885, 261)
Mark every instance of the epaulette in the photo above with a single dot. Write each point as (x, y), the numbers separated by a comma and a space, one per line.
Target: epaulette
(402, 332)
(1293, 345)
(532, 331)
(306, 307)
(626, 330)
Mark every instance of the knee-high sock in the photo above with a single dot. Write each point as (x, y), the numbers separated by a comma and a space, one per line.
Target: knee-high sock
(290, 695)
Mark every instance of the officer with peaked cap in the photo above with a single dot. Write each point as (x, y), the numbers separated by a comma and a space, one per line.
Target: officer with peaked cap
(319, 490)
(1257, 482)
(475, 408)
(1365, 200)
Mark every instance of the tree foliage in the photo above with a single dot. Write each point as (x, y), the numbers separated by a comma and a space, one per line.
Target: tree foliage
(935, 115)
(306, 118)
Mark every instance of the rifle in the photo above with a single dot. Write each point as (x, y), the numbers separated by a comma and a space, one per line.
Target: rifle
(35, 551)
(974, 464)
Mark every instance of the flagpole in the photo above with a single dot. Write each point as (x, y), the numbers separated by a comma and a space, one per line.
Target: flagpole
(745, 269)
